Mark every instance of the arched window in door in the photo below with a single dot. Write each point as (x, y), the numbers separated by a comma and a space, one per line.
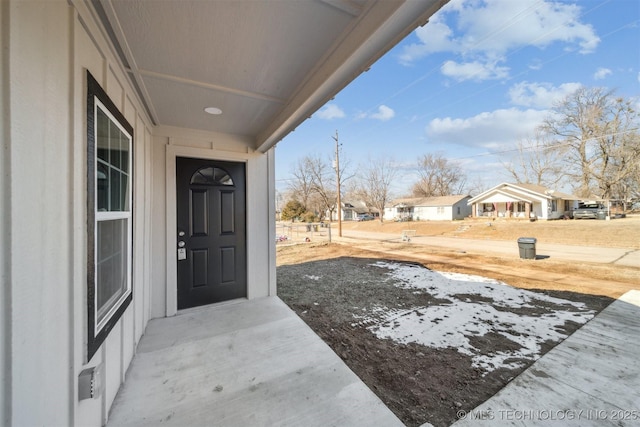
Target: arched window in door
(210, 175)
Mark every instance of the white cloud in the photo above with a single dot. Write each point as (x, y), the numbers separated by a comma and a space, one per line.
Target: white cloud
(492, 28)
(384, 113)
(535, 64)
(493, 130)
(601, 73)
(474, 71)
(539, 95)
(434, 37)
(330, 112)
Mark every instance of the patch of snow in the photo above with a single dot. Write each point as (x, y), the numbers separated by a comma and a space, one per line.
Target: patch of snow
(307, 276)
(474, 307)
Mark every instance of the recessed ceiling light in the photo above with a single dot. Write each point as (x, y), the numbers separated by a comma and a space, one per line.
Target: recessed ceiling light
(213, 110)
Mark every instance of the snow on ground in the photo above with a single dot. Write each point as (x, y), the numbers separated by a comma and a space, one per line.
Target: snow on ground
(473, 307)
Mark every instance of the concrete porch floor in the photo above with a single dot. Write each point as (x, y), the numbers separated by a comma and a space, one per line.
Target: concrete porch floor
(248, 363)
(256, 363)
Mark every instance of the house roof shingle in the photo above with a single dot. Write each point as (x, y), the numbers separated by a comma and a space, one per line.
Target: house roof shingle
(428, 201)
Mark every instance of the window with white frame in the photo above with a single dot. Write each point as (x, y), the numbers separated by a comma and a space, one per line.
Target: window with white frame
(109, 219)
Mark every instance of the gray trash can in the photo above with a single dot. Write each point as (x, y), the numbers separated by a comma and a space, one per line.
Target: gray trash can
(601, 215)
(527, 246)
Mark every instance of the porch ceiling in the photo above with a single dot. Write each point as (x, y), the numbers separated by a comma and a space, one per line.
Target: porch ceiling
(268, 65)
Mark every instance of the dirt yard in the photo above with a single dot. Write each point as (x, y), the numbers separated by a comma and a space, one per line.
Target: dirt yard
(616, 233)
(362, 309)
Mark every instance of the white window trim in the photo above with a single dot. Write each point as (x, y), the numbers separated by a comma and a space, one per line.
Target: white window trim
(112, 215)
(97, 330)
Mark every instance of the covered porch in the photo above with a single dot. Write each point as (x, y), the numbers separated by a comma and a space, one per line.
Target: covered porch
(526, 201)
(242, 363)
(504, 206)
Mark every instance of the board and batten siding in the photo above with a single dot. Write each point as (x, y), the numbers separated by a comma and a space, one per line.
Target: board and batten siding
(47, 48)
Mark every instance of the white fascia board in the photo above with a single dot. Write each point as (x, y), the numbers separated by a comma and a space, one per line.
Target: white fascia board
(484, 194)
(529, 193)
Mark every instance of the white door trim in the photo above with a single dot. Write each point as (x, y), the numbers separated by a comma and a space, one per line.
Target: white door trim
(173, 151)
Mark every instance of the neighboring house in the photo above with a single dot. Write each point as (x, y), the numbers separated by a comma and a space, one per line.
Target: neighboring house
(523, 201)
(351, 210)
(137, 155)
(445, 208)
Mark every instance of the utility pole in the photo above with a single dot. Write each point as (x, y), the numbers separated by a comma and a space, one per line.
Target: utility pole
(337, 167)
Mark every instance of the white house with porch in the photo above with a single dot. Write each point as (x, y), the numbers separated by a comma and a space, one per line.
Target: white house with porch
(524, 201)
(137, 169)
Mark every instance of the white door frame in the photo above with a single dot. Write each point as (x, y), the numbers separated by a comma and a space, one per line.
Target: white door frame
(173, 151)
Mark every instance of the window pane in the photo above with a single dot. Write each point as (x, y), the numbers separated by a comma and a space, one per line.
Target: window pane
(114, 144)
(211, 176)
(112, 171)
(112, 265)
(114, 190)
(102, 187)
(102, 142)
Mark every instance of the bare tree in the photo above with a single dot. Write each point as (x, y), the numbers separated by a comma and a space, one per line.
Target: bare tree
(535, 163)
(375, 179)
(323, 183)
(301, 186)
(438, 176)
(597, 137)
(629, 188)
(475, 187)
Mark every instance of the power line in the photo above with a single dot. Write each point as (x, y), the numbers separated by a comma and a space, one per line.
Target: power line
(536, 148)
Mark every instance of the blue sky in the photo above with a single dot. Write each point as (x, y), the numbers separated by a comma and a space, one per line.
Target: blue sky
(479, 77)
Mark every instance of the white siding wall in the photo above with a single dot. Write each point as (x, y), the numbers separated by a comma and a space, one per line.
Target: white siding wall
(39, 191)
(389, 214)
(47, 47)
(539, 210)
(5, 224)
(465, 210)
(432, 213)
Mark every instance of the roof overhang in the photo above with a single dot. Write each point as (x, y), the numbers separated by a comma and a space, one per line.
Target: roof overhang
(267, 65)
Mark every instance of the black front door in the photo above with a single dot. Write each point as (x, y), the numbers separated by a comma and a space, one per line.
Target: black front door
(211, 252)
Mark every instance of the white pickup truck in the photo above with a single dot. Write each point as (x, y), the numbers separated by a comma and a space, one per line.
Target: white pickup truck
(591, 210)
